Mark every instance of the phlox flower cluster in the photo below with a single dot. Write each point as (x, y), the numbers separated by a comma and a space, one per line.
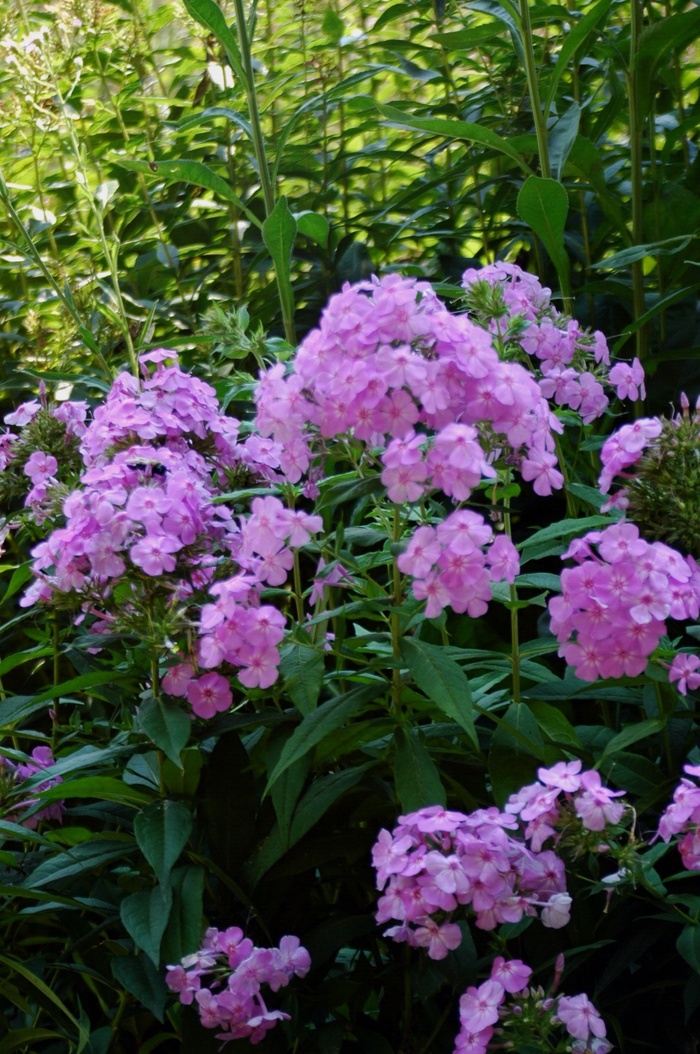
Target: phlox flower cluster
(682, 816)
(622, 450)
(17, 800)
(42, 455)
(572, 366)
(224, 978)
(562, 795)
(389, 362)
(505, 1012)
(454, 563)
(146, 547)
(437, 861)
(613, 606)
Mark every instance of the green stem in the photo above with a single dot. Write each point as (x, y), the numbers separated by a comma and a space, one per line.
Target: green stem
(514, 628)
(533, 90)
(266, 184)
(396, 619)
(636, 177)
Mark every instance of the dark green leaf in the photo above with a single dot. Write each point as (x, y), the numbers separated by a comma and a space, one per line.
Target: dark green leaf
(195, 173)
(416, 777)
(442, 680)
(145, 915)
(166, 724)
(161, 831)
(315, 726)
(544, 205)
(138, 975)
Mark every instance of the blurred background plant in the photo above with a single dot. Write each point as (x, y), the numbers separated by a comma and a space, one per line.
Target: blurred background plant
(425, 135)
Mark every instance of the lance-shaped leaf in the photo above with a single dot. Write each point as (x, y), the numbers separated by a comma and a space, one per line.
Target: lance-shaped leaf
(197, 174)
(145, 915)
(161, 830)
(442, 680)
(544, 205)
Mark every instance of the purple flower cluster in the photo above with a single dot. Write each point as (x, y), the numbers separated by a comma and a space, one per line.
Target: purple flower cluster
(454, 563)
(614, 603)
(570, 364)
(389, 358)
(436, 860)
(562, 793)
(224, 979)
(682, 816)
(18, 801)
(622, 450)
(147, 548)
(487, 1013)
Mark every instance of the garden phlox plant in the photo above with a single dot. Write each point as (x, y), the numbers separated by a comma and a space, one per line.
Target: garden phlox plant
(224, 978)
(572, 366)
(507, 1013)
(614, 604)
(438, 862)
(147, 548)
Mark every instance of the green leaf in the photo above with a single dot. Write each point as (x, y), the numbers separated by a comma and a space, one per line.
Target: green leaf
(688, 945)
(314, 226)
(209, 14)
(166, 724)
(442, 680)
(302, 668)
(87, 856)
(632, 734)
(416, 777)
(573, 42)
(279, 231)
(555, 725)
(516, 749)
(286, 789)
(452, 129)
(544, 205)
(142, 979)
(561, 532)
(318, 799)
(561, 139)
(47, 996)
(145, 915)
(26, 1037)
(161, 831)
(332, 25)
(184, 930)
(194, 172)
(656, 43)
(327, 718)
(102, 788)
(638, 252)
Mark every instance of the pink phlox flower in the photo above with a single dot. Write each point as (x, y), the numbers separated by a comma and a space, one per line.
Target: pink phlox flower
(556, 913)
(390, 856)
(503, 560)
(478, 1007)
(564, 775)
(594, 806)
(259, 667)
(580, 1017)
(628, 379)
(447, 872)
(437, 939)
(433, 818)
(41, 467)
(421, 553)
(153, 554)
(295, 959)
(513, 975)
(539, 467)
(209, 695)
(23, 414)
